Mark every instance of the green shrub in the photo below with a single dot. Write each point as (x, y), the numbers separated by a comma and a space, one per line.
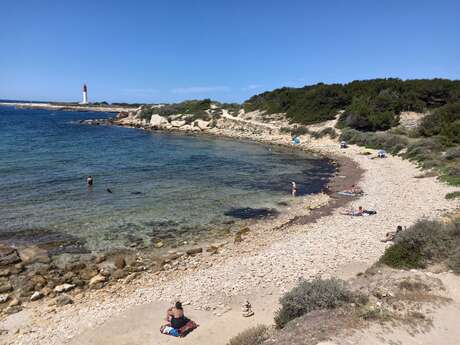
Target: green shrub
(252, 336)
(452, 153)
(369, 104)
(452, 195)
(402, 255)
(424, 149)
(423, 243)
(390, 142)
(445, 122)
(325, 131)
(454, 261)
(314, 295)
(299, 130)
(451, 175)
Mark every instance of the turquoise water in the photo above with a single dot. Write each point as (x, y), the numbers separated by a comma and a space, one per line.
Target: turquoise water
(164, 186)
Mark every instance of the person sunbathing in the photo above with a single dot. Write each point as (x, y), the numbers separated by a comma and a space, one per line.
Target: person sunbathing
(175, 316)
(358, 212)
(390, 236)
(354, 190)
(178, 324)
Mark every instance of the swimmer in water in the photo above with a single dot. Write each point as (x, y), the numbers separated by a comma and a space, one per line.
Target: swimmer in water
(89, 181)
(294, 188)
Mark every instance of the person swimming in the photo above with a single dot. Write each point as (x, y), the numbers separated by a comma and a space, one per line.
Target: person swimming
(294, 188)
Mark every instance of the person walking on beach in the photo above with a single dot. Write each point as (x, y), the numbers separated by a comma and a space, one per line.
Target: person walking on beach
(294, 188)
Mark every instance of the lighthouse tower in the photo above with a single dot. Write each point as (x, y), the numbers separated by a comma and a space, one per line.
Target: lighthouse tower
(85, 95)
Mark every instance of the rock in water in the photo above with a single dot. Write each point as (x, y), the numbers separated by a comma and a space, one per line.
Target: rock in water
(194, 251)
(34, 254)
(8, 255)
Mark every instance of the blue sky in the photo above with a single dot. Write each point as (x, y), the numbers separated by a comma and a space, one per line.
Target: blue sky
(164, 51)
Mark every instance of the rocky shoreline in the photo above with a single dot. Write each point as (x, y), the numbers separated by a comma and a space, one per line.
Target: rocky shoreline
(30, 273)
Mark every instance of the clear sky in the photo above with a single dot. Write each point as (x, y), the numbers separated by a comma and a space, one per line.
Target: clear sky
(163, 51)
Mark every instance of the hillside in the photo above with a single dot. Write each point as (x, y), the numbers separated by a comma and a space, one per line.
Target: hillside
(368, 105)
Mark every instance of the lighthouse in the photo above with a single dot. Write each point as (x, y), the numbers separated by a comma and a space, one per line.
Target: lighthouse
(85, 95)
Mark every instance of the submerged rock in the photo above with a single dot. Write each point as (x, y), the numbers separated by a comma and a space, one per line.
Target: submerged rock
(33, 254)
(251, 213)
(194, 251)
(8, 255)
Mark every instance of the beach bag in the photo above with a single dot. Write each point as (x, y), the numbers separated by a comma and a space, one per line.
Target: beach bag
(189, 326)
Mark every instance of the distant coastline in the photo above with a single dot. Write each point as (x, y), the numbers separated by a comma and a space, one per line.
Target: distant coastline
(69, 107)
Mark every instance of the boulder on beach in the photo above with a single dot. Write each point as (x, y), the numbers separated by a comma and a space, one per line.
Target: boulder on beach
(62, 300)
(157, 121)
(36, 296)
(178, 123)
(64, 288)
(201, 124)
(97, 280)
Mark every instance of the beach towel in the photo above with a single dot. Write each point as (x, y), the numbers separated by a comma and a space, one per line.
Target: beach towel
(348, 193)
(181, 332)
(189, 326)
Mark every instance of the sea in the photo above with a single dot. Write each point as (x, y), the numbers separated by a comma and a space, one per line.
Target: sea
(149, 186)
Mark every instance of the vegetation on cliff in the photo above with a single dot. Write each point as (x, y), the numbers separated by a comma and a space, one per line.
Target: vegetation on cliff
(369, 105)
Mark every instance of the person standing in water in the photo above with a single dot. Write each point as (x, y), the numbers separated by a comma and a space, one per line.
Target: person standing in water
(294, 188)
(89, 181)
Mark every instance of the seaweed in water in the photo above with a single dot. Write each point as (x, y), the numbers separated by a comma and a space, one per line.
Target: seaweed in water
(252, 213)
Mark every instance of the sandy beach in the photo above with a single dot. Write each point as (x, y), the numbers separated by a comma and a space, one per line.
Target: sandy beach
(312, 240)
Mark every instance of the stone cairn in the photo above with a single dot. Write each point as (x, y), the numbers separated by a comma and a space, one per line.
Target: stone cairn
(246, 308)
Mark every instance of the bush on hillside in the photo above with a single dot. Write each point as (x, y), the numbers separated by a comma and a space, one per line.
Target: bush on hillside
(445, 122)
(369, 104)
(452, 153)
(325, 131)
(390, 142)
(452, 195)
(308, 296)
(424, 243)
(252, 336)
(365, 116)
(299, 130)
(454, 261)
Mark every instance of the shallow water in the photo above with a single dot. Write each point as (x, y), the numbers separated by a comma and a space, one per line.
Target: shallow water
(164, 186)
